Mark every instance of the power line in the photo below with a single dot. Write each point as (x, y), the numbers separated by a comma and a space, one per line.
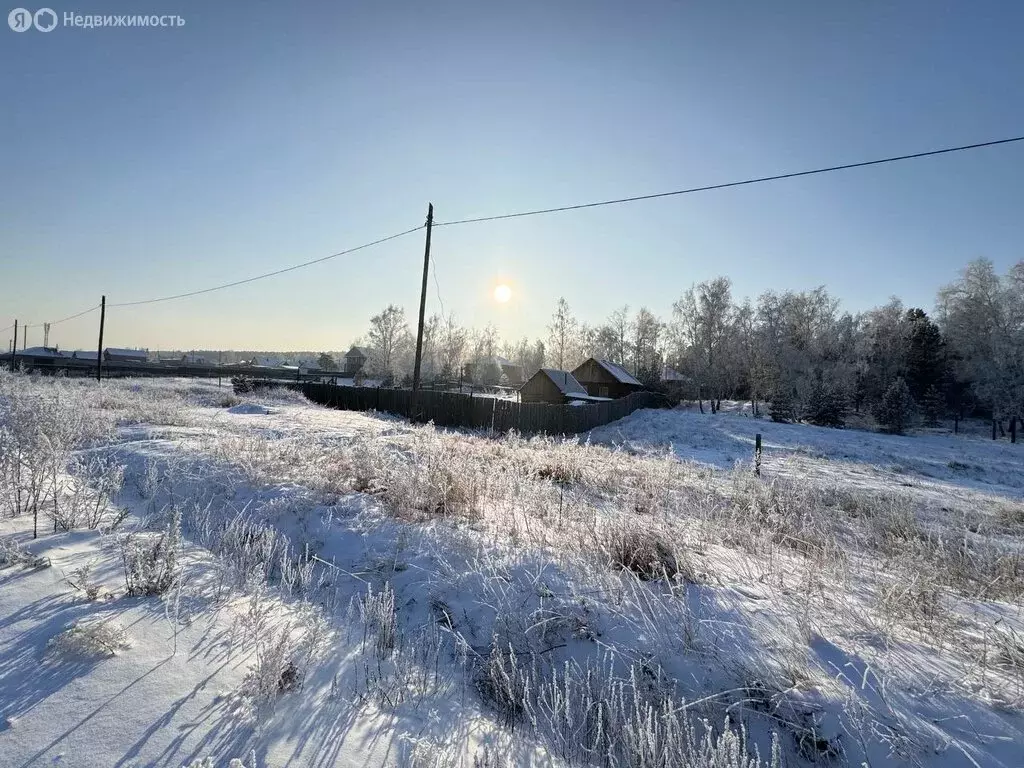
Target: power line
(437, 286)
(710, 187)
(64, 320)
(269, 274)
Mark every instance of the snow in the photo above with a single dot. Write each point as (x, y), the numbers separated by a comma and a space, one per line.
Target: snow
(249, 408)
(481, 541)
(945, 463)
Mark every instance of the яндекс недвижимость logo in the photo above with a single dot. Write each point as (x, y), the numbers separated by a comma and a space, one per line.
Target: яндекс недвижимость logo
(46, 20)
(22, 19)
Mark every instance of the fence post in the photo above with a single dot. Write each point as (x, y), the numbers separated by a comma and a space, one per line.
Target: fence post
(993, 429)
(757, 454)
(1013, 429)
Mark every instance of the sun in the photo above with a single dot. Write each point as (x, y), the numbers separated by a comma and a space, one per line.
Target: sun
(502, 293)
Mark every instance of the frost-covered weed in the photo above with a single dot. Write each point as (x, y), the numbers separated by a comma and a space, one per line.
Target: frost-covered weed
(12, 554)
(646, 549)
(90, 637)
(150, 561)
(209, 762)
(89, 501)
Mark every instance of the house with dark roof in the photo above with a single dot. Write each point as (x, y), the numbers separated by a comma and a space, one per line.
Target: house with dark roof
(603, 378)
(34, 357)
(115, 355)
(355, 359)
(550, 385)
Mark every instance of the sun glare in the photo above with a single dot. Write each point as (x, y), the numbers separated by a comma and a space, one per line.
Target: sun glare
(502, 293)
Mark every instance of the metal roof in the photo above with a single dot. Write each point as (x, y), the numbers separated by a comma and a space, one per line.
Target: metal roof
(565, 382)
(621, 374)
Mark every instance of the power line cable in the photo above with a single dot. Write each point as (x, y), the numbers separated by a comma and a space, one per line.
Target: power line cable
(437, 286)
(710, 187)
(268, 274)
(64, 320)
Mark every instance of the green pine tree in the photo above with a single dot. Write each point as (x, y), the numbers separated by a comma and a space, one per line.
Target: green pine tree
(932, 406)
(896, 407)
(783, 406)
(826, 405)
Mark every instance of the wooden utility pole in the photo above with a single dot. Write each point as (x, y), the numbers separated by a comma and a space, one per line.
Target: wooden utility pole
(423, 304)
(15, 347)
(99, 349)
(24, 336)
(46, 334)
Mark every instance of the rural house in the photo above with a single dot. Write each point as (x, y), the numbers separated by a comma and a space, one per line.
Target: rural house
(355, 359)
(510, 372)
(549, 385)
(603, 378)
(266, 362)
(33, 357)
(114, 355)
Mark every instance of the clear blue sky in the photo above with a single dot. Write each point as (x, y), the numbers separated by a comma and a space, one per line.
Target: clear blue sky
(145, 162)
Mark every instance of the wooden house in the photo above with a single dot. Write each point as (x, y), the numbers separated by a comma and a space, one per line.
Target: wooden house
(603, 378)
(355, 359)
(549, 385)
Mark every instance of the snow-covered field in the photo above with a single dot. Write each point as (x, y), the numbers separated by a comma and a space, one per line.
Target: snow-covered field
(284, 584)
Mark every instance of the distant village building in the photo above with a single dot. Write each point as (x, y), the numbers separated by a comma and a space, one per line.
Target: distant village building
(115, 355)
(511, 374)
(84, 354)
(35, 357)
(267, 362)
(355, 360)
(603, 378)
(549, 385)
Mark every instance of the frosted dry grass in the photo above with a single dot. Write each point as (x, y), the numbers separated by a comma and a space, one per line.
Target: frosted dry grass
(836, 558)
(844, 562)
(89, 637)
(618, 543)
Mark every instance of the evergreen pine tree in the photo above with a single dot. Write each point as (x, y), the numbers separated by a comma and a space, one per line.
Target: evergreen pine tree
(932, 406)
(896, 407)
(783, 404)
(826, 405)
(925, 361)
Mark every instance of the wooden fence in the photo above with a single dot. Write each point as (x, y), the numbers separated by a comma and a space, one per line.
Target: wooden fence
(451, 409)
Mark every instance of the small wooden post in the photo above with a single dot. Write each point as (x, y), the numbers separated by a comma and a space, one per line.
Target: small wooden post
(757, 454)
(993, 429)
(956, 423)
(1013, 429)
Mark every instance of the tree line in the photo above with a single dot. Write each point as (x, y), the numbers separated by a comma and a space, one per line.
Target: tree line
(794, 349)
